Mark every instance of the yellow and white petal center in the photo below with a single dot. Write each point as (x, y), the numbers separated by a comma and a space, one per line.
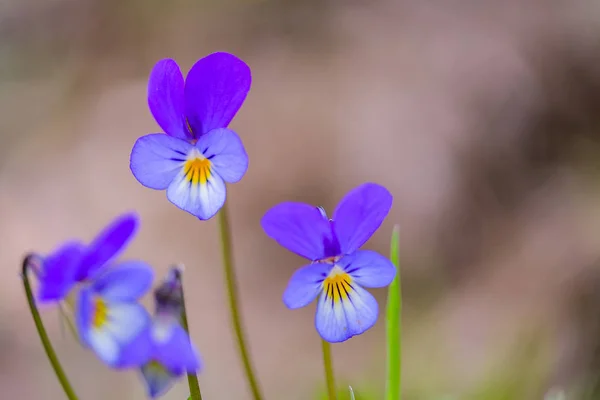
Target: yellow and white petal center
(197, 168)
(99, 313)
(338, 285)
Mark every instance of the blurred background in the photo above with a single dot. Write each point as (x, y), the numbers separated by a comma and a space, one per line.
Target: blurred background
(482, 118)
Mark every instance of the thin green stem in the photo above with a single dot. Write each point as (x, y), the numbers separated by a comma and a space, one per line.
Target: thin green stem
(232, 293)
(191, 378)
(37, 319)
(66, 317)
(394, 327)
(329, 378)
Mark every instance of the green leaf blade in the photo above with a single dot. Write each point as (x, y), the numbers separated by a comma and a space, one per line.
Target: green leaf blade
(394, 325)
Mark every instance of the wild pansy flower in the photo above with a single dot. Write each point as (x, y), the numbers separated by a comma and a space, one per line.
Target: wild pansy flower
(338, 270)
(198, 154)
(73, 262)
(172, 352)
(109, 318)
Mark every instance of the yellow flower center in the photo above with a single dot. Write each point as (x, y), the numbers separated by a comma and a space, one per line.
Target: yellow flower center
(100, 314)
(197, 170)
(338, 285)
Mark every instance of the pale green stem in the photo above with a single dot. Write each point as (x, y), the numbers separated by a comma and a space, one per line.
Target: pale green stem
(66, 317)
(232, 293)
(192, 379)
(328, 365)
(37, 319)
(394, 327)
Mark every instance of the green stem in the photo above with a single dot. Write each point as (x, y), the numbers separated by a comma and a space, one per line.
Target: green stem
(66, 316)
(394, 327)
(191, 378)
(234, 307)
(37, 319)
(329, 378)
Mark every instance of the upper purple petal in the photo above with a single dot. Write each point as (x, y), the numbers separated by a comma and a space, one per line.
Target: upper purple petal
(359, 215)
(156, 159)
(126, 281)
(301, 228)
(215, 89)
(224, 148)
(166, 98)
(368, 268)
(107, 245)
(57, 276)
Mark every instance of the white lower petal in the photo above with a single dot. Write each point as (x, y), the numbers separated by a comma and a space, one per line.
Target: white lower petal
(330, 320)
(361, 310)
(341, 315)
(126, 321)
(199, 191)
(104, 345)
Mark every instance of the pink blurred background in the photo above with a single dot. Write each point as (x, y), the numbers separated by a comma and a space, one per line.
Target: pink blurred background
(482, 118)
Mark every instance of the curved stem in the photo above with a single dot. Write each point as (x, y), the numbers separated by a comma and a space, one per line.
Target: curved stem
(192, 379)
(329, 378)
(232, 293)
(58, 370)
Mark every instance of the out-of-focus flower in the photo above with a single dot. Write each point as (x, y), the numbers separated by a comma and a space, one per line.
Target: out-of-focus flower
(109, 318)
(74, 262)
(173, 353)
(338, 270)
(198, 154)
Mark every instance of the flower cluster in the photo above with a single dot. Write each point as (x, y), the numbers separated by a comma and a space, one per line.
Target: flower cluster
(193, 160)
(109, 319)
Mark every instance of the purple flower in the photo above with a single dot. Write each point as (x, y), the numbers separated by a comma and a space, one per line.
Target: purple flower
(173, 353)
(338, 270)
(198, 154)
(74, 262)
(109, 318)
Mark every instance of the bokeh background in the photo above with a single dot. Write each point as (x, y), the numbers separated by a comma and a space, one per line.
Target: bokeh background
(482, 118)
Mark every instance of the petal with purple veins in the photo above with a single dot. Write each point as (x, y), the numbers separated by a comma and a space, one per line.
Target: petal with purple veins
(198, 189)
(342, 317)
(368, 268)
(156, 159)
(225, 150)
(304, 286)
